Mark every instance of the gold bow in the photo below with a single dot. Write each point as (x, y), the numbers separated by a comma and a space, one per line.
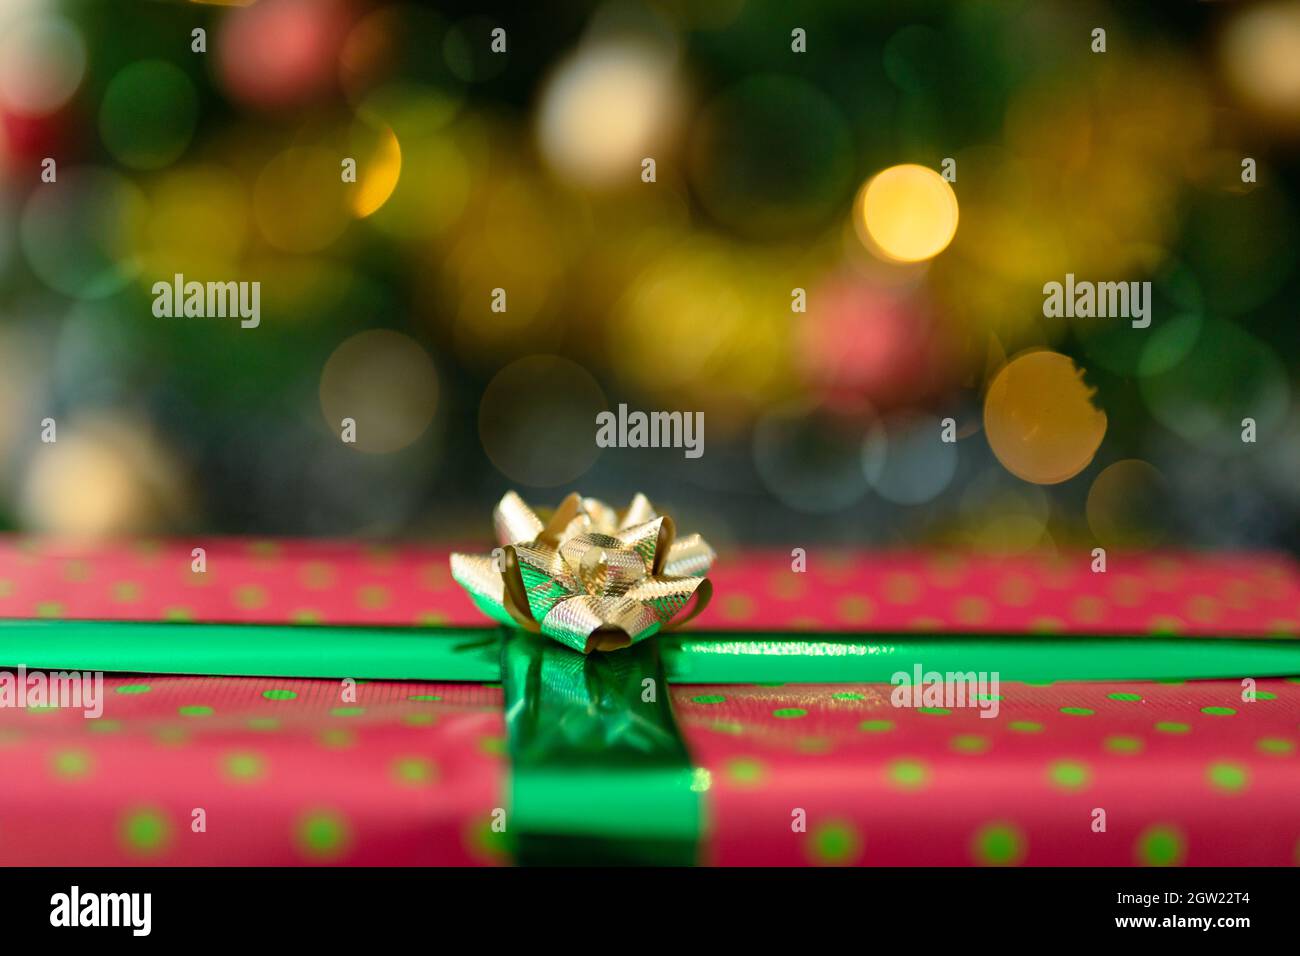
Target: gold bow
(591, 577)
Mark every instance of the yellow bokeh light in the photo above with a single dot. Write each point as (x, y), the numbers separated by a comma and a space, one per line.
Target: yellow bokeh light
(198, 223)
(378, 173)
(107, 475)
(605, 108)
(907, 213)
(1040, 420)
(1125, 504)
(386, 384)
(1260, 50)
(297, 200)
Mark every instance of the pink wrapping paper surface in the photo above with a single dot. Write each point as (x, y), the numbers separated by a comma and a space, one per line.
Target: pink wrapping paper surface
(286, 772)
(411, 773)
(1187, 773)
(350, 583)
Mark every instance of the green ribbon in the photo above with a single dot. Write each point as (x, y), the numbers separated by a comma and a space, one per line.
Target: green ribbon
(243, 650)
(599, 771)
(693, 657)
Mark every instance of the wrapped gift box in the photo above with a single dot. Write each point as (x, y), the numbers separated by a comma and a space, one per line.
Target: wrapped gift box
(301, 702)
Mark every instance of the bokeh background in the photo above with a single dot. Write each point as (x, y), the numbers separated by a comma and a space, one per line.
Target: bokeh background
(775, 170)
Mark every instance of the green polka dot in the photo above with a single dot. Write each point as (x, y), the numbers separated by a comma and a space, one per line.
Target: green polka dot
(728, 727)
(134, 689)
(494, 746)
(998, 844)
(1265, 695)
(487, 842)
(1124, 696)
(934, 711)
(279, 693)
(876, 726)
(347, 711)
(49, 609)
(969, 743)
(1123, 744)
(70, 764)
(178, 615)
(1069, 774)
(1078, 711)
(263, 723)
(195, 710)
(1171, 681)
(1274, 745)
(144, 832)
(814, 745)
(1161, 845)
(1025, 726)
(322, 834)
(337, 739)
(908, 774)
(250, 596)
(1227, 777)
(709, 699)
(104, 725)
(789, 713)
(848, 695)
(1218, 711)
(834, 843)
(420, 719)
(425, 697)
(414, 771)
(746, 772)
(1172, 727)
(243, 766)
(701, 780)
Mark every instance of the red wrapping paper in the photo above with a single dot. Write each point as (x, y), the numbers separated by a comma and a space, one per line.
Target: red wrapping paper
(411, 773)
(294, 772)
(346, 583)
(286, 772)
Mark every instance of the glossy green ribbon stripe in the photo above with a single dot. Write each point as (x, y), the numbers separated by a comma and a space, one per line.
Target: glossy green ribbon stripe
(253, 650)
(695, 657)
(599, 770)
(744, 659)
